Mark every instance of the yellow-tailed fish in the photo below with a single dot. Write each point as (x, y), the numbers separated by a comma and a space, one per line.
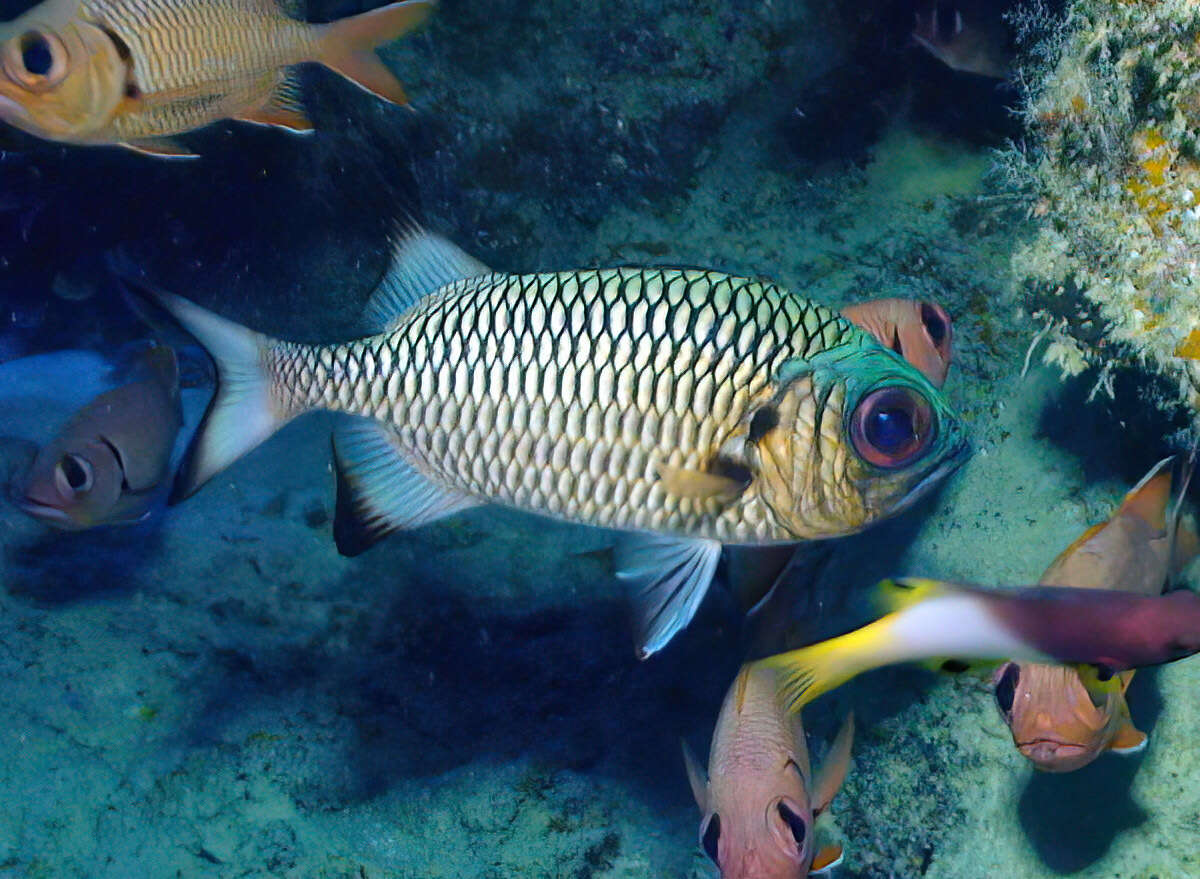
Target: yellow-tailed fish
(136, 72)
(1057, 721)
(690, 407)
(111, 462)
(919, 331)
(759, 799)
(1108, 631)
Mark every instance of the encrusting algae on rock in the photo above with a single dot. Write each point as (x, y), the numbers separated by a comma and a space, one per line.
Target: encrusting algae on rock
(1115, 174)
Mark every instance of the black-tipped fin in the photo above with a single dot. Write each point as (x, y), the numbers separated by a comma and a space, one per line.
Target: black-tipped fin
(379, 492)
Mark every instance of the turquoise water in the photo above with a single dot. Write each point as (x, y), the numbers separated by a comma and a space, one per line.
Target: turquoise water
(216, 692)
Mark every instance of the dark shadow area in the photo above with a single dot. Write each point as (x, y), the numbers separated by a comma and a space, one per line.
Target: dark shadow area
(1096, 797)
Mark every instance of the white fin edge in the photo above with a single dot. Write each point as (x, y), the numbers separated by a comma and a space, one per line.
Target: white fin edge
(668, 578)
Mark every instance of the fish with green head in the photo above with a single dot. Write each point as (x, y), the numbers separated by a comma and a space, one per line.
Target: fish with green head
(687, 408)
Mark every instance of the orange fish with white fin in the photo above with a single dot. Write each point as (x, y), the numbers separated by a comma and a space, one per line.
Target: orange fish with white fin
(1057, 721)
(759, 798)
(919, 331)
(136, 72)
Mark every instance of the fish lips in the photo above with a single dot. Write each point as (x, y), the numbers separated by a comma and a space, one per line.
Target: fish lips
(13, 113)
(45, 513)
(1056, 755)
(935, 475)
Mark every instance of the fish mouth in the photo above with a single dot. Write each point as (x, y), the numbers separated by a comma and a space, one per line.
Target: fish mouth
(12, 112)
(1054, 755)
(44, 512)
(935, 476)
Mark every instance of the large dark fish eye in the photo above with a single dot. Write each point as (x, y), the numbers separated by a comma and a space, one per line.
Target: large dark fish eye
(75, 472)
(795, 823)
(36, 54)
(710, 836)
(1006, 688)
(892, 427)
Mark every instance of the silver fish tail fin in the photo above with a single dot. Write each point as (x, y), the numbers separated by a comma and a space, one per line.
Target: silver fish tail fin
(242, 413)
(348, 46)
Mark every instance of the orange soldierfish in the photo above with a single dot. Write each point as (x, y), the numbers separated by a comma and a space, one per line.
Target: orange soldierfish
(1057, 721)
(920, 332)
(965, 35)
(136, 72)
(111, 462)
(759, 798)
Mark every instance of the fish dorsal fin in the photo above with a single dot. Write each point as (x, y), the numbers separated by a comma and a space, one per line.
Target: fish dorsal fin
(379, 491)
(1128, 740)
(825, 860)
(667, 579)
(283, 107)
(1150, 499)
(421, 263)
(697, 777)
(833, 771)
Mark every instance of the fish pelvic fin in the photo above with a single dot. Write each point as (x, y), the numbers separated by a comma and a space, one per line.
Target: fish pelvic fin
(825, 860)
(348, 46)
(1128, 740)
(667, 578)
(159, 147)
(833, 771)
(697, 777)
(243, 412)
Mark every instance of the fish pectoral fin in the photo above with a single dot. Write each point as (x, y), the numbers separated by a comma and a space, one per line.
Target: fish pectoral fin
(667, 578)
(833, 771)
(825, 860)
(699, 484)
(1128, 740)
(697, 777)
(379, 492)
(161, 147)
(282, 108)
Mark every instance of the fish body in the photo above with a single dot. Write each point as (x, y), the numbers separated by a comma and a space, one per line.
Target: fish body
(759, 799)
(1056, 720)
(691, 407)
(1104, 630)
(967, 35)
(136, 72)
(919, 331)
(111, 461)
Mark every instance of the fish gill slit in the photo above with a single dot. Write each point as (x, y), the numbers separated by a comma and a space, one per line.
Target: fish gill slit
(116, 453)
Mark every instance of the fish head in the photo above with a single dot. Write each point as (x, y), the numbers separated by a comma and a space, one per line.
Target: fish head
(1057, 723)
(771, 842)
(849, 437)
(919, 331)
(73, 484)
(62, 76)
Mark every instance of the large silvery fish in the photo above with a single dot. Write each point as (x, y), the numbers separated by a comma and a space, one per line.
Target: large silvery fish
(135, 72)
(691, 407)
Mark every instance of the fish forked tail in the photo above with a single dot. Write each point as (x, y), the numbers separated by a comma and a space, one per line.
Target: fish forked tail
(348, 46)
(243, 412)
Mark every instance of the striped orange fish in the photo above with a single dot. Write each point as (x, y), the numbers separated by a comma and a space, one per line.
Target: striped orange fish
(136, 72)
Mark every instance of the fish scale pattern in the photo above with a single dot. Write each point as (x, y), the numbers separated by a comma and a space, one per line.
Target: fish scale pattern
(563, 393)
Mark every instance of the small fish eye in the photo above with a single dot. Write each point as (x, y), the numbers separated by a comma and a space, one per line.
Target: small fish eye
(76, 471)
(795, 823)
(36, 54)
(936, 323)
(892, 427)
(710, 836)
(1006, 687)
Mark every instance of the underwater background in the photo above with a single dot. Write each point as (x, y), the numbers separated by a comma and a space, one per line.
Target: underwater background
(216, 692)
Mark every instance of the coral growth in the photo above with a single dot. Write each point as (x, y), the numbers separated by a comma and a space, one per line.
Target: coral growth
(1114, 108)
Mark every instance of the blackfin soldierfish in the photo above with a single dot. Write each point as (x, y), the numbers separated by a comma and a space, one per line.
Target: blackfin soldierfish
(970, 36)
(1057, 721)
(136, 72)
(690, 407)
(759, 800)
(1103, 632)
(918, 330)
(111, 461)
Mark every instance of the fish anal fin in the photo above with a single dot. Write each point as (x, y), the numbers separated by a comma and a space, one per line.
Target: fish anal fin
(833, 771)
(698, 484)
(160, 147)
(697, 777)
(281, 109)
(348, 46)
(828, 857)
(379, 491)
(1128, 740)
(667, 579)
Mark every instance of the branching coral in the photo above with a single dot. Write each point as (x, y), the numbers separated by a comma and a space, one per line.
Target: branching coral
(1114, 169)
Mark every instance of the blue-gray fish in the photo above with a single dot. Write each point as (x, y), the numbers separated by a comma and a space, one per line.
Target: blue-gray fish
(136, 72)
(690, 407)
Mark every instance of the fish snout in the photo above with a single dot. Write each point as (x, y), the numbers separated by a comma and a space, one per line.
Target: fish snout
(1049, 755)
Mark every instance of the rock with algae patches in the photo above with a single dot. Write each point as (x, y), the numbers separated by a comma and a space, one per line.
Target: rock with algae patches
(1114, 167)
